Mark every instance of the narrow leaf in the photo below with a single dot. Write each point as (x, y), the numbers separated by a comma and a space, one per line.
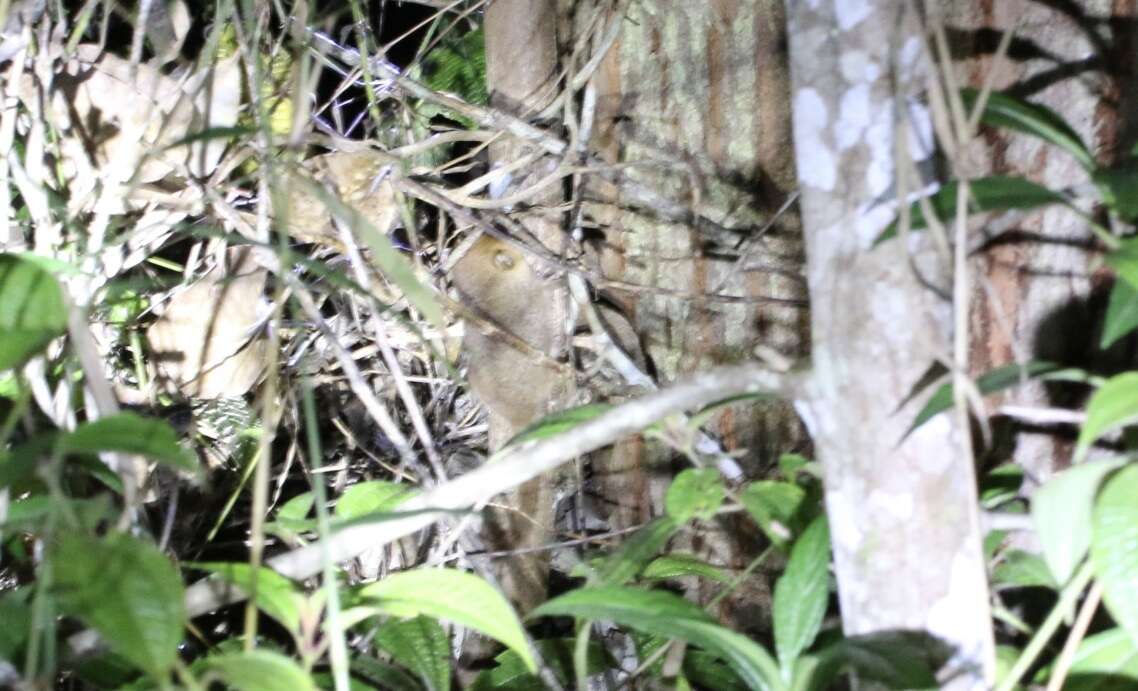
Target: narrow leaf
(1124, 260)
(801, 593)
(32, 310)
(456, 596)
(992, 381)
(126, 590)
(993, 193)
(1114, 547)
(668, 615)
(1112, 407)
(1061, 510)
(1004, 110)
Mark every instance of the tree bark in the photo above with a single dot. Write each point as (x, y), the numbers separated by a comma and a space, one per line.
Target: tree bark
(903, 510)
(693, 99)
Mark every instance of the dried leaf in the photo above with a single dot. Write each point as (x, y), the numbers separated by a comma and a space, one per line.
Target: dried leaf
(204, 343)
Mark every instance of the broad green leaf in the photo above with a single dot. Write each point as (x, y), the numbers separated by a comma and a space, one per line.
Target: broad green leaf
(385, 676)
(790, 464)
(695, 493)
(126, 590)
(1004, 110)
(16, 613)
(260, 670)
(1061, 510)
(895, 660)
(992, 193)
(373, 496)
(777, 507)
(1121, 313)
(510, 674)
(277, 596)
(1124, 260)
(297, 508)
(801, 594)
(129, 433)
(678, 565)
(32, 310)
(456, 596)
(1107, 660)
(668, 615)
(1020, 569)
(992, 381)
(621, 566)
(561, 421)
(1114, 547)
(421, 646)
(1112, 407)
(1119, 187)
(710, 672)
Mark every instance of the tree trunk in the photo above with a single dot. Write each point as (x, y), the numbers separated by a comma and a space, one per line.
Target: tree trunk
(692, 99)
(903, 510)
(1042, 289)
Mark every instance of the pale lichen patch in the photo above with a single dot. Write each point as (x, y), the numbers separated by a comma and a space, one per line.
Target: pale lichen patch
(817, 163)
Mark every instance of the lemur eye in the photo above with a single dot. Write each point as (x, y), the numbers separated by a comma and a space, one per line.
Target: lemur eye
(503, 260)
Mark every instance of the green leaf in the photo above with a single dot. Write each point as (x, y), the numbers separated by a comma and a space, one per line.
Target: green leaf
(1112, 654)
(1121, 313)
(561, 421)
(992, 193)
(1119, 187)
(894, 659)
(277, 596)
(708, 671)
(668, 615)
(1124, 260)
(373, 496)
(510, 674)
(801, 594)
(992, 381)
(456, 596)
(695, 493)
(622, 565)
(130, 433)
(32, 310)
(421, 646)
(16, 613)
(678, 565)
(385, 676)
(1020, 569)
(777, 507)
(1114, 547)
(127, 591)
(1061, 510)
(260, 670)
(1112, 407)
(1004, 110)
